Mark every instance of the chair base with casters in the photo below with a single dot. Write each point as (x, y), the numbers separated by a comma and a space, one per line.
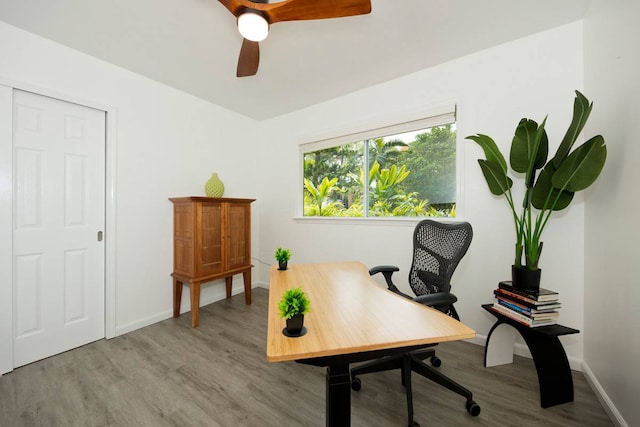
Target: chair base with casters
(438, 248)
(414, 362)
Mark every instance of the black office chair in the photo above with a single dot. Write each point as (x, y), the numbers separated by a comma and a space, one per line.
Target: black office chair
(437, 250)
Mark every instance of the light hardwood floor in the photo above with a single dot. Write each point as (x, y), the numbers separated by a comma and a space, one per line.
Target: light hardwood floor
(170, 374)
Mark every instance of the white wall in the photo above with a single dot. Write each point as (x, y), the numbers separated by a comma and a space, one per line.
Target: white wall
(612, 286)
(167, 145)
(6, 231)
(493, 89)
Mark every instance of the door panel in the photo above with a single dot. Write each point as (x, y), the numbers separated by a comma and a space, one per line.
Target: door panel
(59, 207)
(211, 239)
(239, 228)
(28, 295)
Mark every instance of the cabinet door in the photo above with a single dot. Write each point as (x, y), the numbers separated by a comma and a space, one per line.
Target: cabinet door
(183, 245)
(210, 239)
(239, 235)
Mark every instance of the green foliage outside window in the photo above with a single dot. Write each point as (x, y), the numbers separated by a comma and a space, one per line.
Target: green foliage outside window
(405, 178)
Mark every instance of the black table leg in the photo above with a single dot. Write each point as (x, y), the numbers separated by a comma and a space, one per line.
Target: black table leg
(552, 365)
(338, 389)
(554, 372)
(338, 396)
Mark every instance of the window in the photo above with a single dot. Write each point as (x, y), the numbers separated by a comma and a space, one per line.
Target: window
(397, 171)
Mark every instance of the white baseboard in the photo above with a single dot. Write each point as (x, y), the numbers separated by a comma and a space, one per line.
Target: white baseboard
(607, 404)
(217, 294)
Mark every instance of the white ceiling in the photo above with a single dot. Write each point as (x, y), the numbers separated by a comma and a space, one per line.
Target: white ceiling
(193, 45)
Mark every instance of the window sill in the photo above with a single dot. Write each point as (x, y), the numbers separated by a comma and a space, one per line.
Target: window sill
(408, 221)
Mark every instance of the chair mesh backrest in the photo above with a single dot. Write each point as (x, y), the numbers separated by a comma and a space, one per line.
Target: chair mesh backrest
(437, 250)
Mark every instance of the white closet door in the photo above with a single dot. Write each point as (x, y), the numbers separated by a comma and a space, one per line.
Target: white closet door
(58, 213)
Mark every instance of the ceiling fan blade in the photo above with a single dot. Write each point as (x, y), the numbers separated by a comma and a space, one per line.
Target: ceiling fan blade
(298, 10)
(249, 59)
(234, 6)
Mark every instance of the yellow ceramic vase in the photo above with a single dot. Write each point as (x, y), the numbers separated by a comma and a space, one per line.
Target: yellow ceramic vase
(214, 187)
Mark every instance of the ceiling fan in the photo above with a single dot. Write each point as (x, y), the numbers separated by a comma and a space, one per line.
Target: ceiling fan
(255, 16)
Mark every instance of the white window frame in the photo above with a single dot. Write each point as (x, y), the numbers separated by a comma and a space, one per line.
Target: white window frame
(439, 117)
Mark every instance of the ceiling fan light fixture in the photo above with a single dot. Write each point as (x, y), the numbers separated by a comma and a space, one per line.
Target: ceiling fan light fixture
(253, 25)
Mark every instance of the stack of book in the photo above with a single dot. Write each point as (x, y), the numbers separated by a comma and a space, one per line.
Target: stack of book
(531, 308)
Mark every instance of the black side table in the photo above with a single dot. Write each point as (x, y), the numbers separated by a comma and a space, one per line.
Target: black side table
(554, 373)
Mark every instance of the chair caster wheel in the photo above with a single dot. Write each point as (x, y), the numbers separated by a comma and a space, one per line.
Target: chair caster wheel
(435, 361)
(473, 408)
(356, 384)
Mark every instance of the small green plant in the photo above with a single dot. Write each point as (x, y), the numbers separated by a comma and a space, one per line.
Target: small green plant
(294, 301)
(282, 255)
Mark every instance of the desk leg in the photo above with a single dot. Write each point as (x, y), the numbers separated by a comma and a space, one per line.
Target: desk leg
(177, 297)
(246, 276)
(195, 304)
(552, 365)
(338, 396)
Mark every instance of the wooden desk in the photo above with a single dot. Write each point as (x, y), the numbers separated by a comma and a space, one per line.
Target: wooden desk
(352, 319)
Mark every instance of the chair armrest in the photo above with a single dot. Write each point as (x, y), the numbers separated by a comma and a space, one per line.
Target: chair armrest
(438, 299)
(387, 271)
(383, 269)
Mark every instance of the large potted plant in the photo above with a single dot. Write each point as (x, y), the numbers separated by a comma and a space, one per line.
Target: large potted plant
(293, 305)
(548, 186)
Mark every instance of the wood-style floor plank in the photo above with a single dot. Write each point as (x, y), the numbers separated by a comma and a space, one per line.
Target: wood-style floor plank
(169, 374)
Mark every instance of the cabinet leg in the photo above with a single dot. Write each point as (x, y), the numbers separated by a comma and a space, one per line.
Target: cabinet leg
(195, 304)
(247, 286)
(177, 297)
(229, 282)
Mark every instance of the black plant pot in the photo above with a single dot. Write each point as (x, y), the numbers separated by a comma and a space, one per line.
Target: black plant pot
(282, 265)
(295, 326)
(525, 279)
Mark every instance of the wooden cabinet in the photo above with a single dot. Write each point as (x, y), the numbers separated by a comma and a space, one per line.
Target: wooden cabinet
(211, 240)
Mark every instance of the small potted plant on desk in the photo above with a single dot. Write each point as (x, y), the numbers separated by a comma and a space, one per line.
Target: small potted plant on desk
(292, 307)
(282, 256)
